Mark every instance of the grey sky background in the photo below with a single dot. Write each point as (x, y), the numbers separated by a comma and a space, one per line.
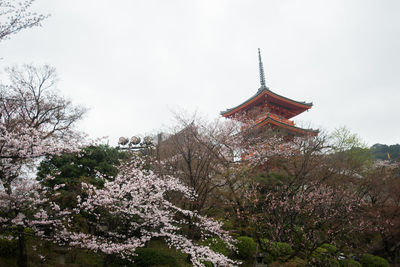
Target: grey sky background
(132, 62)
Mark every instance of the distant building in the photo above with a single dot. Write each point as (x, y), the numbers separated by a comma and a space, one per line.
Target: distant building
(268, 109)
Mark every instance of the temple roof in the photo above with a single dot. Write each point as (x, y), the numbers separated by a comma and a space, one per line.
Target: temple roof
(265, 95)
(291, 127)
(297, 106)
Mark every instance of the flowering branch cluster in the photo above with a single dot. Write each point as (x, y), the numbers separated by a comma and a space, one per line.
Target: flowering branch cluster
(34, 122)
(309, 215)
(134, 208)
(29, 206)
(15, 16)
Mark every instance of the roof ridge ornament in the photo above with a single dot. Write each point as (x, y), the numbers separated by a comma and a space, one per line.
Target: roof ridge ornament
(262, 75)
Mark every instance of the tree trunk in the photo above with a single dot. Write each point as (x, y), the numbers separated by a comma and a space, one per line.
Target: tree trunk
(22, 254)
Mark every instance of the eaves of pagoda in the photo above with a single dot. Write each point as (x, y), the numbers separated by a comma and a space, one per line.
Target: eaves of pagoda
(273, 120)
(264, 93)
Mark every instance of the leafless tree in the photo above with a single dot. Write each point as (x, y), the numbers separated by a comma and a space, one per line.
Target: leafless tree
(31, 98)
(186, 154)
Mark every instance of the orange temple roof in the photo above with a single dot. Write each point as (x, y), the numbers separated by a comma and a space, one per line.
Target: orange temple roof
(271, 108)
(295, 107)
(271, 119)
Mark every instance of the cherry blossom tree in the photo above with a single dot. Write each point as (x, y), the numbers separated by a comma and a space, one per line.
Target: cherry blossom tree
(126, 213)
(15, 16)
(217, 159)
(34, 122)
(308, 216)
(296, 198)
(133, 209)
(381, 189)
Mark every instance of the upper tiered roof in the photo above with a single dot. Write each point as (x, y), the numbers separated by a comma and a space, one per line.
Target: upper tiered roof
(264, 96)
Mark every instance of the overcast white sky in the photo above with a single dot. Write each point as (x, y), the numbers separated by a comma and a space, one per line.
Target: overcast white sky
(132, 62)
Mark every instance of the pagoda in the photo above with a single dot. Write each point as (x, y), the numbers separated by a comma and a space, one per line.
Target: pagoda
(268, 109)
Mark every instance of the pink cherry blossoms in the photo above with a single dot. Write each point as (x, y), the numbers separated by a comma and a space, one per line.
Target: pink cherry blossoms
(34, 122)
(133, 209)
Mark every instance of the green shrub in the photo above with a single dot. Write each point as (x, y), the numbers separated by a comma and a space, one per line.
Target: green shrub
(151, 257)
(319, 252)
(264, 244)
(331, 249)
(246, 247)
(296, 262)
(228, 225)
(280, 251)
(8, 248)
(268, 259)
(322, 257)
(349, 263)
(217, 245)
(369, 260)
